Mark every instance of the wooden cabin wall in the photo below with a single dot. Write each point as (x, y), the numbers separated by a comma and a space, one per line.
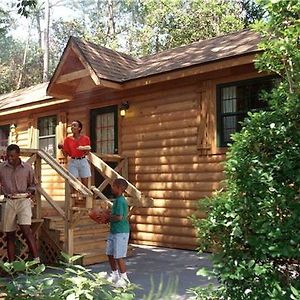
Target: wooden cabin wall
(51, 181)
(160, 137)
(169, 136)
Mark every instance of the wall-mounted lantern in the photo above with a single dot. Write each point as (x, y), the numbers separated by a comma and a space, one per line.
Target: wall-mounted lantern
(13, 128)
(123, 108)
(13, 134)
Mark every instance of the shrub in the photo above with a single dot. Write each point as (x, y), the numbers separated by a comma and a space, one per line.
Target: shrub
(254, 225)
(28, 280)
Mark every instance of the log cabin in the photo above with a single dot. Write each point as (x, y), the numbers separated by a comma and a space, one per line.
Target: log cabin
(162, 121)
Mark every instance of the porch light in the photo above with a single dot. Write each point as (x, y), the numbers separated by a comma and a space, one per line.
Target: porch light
(123, 107)
(13, 128)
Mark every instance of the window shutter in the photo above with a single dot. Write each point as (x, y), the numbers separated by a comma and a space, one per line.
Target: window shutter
(61, 133)
(33, 133)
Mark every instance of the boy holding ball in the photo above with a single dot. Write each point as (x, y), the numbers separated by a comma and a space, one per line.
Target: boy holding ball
(117, 242)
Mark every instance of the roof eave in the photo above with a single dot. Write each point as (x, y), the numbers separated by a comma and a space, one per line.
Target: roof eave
(188, 71)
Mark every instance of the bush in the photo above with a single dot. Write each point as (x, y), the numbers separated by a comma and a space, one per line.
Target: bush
(254, 225)
(28, 280)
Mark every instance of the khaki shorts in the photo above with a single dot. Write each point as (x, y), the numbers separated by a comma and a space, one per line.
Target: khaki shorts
(15, 211)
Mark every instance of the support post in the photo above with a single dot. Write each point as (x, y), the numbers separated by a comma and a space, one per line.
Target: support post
(69, 228)
(38, 178)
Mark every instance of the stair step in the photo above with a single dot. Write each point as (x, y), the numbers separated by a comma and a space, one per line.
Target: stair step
(85, 234)
(92, 258)
(85, 227)
(86, 244)
(59, 223)
(96, 257)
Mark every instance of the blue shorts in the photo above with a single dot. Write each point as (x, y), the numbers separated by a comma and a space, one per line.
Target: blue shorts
(80, 168)
(117, 244)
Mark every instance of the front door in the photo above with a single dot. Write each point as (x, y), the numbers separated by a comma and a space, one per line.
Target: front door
(104, 136)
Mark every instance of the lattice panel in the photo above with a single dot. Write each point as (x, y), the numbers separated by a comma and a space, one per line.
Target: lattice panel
(49, 249)
(22, 251)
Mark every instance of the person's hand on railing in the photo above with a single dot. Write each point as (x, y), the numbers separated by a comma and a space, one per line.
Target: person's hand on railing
(60, 146)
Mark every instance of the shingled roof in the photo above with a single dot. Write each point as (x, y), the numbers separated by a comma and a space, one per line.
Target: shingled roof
(107, 64)
(118, 67)
(24, 96)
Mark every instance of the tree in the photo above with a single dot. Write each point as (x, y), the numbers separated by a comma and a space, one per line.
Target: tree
(252, 12)
(61, 31)
(12, 64)
(254, 225)
(153, 25)
(135, 27)
(25, 6)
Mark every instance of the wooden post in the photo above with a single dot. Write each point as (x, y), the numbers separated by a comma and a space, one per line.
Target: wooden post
(89, 202)
(89, 199)
(69, 229)
(125, 168)
(38, 178)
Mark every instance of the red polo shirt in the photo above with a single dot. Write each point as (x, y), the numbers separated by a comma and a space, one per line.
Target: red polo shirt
(71, 145)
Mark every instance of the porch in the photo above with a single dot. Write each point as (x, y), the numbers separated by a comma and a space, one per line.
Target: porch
(64, 225)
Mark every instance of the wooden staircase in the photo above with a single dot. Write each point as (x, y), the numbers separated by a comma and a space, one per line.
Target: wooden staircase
(89, 238)
(70, 229)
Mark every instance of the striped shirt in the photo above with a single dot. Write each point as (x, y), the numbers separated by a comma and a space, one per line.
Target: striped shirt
(19, 179)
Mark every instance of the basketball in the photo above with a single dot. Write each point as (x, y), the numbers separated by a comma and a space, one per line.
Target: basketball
(100, 215)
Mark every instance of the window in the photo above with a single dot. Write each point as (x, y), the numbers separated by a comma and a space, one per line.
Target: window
(104, 130)
(47, 138)
(105, 133)
(235, 100)
(4, 135)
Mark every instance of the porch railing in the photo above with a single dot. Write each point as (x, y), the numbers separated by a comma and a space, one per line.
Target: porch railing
(100, 162)
(70, 214)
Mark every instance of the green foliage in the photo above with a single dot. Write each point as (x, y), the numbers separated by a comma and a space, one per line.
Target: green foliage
(159, 25)
(136, 27)
(28, 280)
(252, 11)
(4, 21)
(207, 293)
(11, 64)
(253, 226)
(163, 291)
(25, 6)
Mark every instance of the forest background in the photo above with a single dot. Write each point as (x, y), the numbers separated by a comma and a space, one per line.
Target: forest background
(34, 33)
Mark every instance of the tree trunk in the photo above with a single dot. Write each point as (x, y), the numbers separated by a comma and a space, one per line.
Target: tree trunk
(111, 26)
(24, 58)
(39, 30)
(46, 42)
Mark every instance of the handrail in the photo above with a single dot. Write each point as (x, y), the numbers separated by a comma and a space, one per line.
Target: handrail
(71, 214)
(110, 173)
(73, 181)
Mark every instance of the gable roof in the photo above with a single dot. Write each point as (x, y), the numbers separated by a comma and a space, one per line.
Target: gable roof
(107, 64)
(118, 67)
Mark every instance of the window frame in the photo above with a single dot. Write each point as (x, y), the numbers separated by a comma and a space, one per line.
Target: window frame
(49, 135)
(220, 116)
(93, 116)
(8, 126)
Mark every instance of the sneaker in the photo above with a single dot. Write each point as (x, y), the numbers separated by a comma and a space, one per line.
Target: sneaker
(122, 283)
(113, 277)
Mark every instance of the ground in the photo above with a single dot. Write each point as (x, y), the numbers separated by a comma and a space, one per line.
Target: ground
(148, 266)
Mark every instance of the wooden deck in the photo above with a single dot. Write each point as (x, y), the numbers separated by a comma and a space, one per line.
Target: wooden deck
(69, 228)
